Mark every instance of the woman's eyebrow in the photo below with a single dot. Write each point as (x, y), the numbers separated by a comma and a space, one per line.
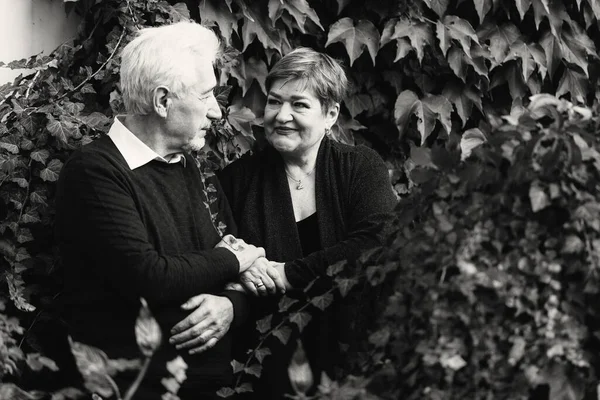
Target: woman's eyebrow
(293, 97)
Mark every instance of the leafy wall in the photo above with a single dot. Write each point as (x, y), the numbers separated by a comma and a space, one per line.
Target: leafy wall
(424, 73)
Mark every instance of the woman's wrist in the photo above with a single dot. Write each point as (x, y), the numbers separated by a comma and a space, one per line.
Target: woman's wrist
(280, 268)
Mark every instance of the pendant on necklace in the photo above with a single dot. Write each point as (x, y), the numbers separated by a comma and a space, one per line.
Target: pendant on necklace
(299, 186)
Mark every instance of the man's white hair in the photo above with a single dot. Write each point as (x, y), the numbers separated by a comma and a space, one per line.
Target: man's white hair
(164, 56)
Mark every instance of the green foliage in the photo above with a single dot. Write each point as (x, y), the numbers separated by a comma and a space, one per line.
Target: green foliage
(496, 261)
(451, 65)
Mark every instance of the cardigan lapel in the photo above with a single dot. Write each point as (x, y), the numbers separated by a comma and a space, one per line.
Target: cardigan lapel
(328, 196)
(280, 232)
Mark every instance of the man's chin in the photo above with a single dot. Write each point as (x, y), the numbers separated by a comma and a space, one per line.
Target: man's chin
(196, 144)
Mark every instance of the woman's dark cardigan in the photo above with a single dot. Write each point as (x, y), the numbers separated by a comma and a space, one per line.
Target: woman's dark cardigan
(353, 199)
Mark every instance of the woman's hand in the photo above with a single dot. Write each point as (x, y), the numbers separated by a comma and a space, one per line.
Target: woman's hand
(262, 279)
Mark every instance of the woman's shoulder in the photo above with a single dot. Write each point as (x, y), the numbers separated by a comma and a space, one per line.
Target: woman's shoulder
(356, 154)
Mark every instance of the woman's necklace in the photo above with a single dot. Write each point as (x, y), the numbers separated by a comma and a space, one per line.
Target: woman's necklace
(299, 185)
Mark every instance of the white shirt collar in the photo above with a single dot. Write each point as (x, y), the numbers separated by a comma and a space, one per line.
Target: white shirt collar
(135, 152)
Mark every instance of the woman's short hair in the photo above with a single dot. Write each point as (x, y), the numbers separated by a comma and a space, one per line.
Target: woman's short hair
(322, 74)
(164, 56)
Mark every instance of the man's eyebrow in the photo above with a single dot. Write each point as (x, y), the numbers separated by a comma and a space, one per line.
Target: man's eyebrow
(209, 90)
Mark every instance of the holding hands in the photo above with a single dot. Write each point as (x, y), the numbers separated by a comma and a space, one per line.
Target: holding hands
(244, 252)
(263, 278)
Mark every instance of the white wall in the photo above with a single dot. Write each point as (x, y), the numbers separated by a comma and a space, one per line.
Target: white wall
(30, 27)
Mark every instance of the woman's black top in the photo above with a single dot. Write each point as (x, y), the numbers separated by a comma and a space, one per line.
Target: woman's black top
(308, 230)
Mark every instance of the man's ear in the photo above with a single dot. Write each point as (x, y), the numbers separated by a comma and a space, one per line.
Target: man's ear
(161, 101)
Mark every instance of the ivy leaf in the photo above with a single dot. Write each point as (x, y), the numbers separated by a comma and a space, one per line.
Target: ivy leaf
(30, 217)
(358, 103)
(463, 98)
(13, 392)
(24, 235)
(530, 55)
(179, 12)
(285, 303)
(345, 285)
(420, 34)
(283, 334)
(500, 39)
(255, 26)
(403, 47)
(261, 353)
(553, 51)
(428, 110)
(482, 7)
(456, 60)
(380, 338)
(522, 7)
(16, 288)
(438, 6)
(576, 46)
(355, 38)
(254, 69)
(556, 14)
(264, 324)
(237, 366)
(218, 13)
(38, 198)
(574, 83)
(40, 155)
(222, 95)
(37, 362)
(298, 9)
(61, 129)
(241, 118)
(461, 30)
(301, 319)
(538, 198)
(341, 5)
(225, 392)
(323, 301)
(10, 143)
(50, 173)
(387, 35)
(443, 36)
(343, 128)
(469, 140)
(255, 370)
(97, 121)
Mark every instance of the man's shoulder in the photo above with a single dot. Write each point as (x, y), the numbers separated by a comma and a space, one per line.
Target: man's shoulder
(101, 153)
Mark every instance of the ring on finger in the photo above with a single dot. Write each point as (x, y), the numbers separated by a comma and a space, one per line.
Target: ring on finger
(259, 284)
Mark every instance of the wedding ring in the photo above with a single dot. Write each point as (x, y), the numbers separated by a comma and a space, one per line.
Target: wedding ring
(259, 284)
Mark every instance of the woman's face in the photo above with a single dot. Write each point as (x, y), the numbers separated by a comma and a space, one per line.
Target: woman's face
(294, 119)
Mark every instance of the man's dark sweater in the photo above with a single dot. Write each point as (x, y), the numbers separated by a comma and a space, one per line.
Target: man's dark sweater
(126, 234)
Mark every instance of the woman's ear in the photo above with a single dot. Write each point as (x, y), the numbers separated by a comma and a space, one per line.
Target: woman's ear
(332, 114)
(161, 101)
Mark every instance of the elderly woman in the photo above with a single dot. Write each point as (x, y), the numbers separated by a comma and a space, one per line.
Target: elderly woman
(308, 200)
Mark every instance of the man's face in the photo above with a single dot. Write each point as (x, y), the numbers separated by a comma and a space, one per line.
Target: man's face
(190, 115)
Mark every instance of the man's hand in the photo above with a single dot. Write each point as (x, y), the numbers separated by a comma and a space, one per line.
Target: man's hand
(261, 279)
(205, 326)
(244, 252)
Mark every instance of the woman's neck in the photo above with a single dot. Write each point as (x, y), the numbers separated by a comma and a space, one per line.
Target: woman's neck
(304, 162)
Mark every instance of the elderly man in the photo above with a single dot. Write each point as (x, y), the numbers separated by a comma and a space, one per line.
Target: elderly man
(132, 220)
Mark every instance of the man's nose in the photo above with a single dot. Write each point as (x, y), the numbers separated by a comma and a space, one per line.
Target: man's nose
(214, 111)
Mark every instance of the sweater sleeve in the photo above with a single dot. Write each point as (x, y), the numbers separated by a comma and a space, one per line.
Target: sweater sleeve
(370, 203)
(97, 217)
(238, 300)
